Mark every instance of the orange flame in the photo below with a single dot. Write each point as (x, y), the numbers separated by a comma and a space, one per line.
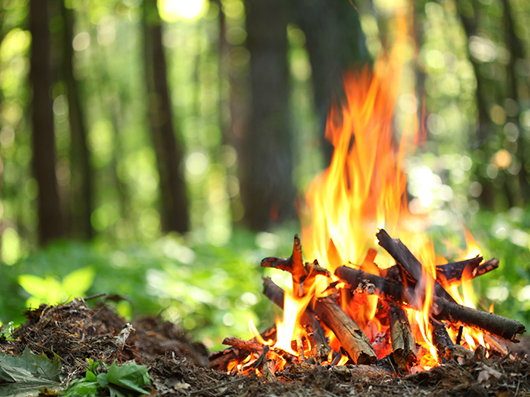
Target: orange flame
(364, 186)
(364, 189)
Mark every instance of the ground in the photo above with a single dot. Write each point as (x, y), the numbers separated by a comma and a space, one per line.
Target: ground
(178, 366)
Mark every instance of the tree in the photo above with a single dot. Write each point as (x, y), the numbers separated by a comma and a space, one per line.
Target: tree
(50, 222)
(265, 152)
(335, 43)
(169, 152)
(82, 178)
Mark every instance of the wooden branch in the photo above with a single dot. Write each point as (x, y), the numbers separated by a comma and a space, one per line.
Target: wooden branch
(441, 340)
(490, 322)
(408, 262)
(443, 309)
(385, 288)
(352, 338)
(294, 265)
(486, 267)
(320, 347)
(453, 271)
(220, 360)
(249, 345)
(403, 344)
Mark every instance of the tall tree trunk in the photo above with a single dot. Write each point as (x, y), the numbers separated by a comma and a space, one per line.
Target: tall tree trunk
(516, 48)
(468, 16)
(169, 152)
(335, 43)
(43, 138)
(265, 152)
(82, 177)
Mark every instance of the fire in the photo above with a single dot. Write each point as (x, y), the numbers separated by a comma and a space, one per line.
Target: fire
(364, 189)
(464, 294)
(364, 186)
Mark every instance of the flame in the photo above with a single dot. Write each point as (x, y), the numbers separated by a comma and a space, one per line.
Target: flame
(288, 327)
(364, 189)
(364, 186)
(420, 319)
(464, 294)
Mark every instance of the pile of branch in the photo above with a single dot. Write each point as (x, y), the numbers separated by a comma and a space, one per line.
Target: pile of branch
(400, 286)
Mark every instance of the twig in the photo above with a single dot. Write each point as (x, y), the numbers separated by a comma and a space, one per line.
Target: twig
(93, 297)
(218, 386)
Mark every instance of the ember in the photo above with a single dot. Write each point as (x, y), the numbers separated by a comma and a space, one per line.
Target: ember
(353, 303)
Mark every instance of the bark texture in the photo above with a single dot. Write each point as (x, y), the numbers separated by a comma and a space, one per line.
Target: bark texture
(169, 151)
(50, 221)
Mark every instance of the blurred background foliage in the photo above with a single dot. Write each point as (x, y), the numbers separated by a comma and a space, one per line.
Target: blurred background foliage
(179, 228)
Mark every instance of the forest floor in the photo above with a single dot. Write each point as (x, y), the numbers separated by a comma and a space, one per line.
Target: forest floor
(178, 366)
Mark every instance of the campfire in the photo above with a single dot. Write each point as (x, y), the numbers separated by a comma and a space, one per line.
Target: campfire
(363, 295)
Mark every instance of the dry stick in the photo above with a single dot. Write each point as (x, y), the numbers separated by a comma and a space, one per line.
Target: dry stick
(351, 337)
(249, 345)
(403, 345)
(442, 308)
(485, 267)
(320, 347)
(221, 359)
(490, 322)
(408, 262)
(294, 265)
(441, 340)
(453, 271)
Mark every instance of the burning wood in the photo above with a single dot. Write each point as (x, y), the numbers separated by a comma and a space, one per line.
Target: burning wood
(320, 348)
(403, 345)
(352, 309)
(443, 309)
(397, 289)
(351, 337)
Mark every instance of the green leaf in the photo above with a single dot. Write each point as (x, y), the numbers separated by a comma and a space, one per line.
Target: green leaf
(129, 376)
(27, 374)
(78, 282)
(45, 289)
(102, 380)
(90, 376)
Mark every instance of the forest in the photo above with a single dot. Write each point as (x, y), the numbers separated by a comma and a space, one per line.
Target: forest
(156, 151)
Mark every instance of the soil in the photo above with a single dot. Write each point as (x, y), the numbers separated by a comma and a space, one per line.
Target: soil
(179, 366)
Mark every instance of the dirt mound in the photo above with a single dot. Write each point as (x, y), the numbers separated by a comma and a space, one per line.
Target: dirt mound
(178, 365)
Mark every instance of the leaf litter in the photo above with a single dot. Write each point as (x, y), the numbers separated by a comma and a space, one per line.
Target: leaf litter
(72, 344)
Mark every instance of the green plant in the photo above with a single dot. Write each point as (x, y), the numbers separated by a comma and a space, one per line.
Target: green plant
(29, 374)
(128, 380)
(51, 291)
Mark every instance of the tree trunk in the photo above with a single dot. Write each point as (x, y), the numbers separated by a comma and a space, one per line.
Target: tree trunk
(82, 177)
(169, 152)
(265, 153)
(468, 17)
(50, 223)
(516, 48)
(335, 42)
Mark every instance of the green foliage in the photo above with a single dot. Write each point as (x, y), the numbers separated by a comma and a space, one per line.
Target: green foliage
(49, 290)
(208, 289)
(28, 374)
(128, 380)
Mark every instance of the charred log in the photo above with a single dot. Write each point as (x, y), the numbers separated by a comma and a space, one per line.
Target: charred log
(453, 271)
(443, 309)
(410, 265)
(351, 337)
(294, 265)
(403, 344)
(387, 289)
(490, 322)
(441, 340)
